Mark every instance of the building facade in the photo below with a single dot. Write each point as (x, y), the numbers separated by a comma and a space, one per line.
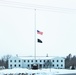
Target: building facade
(42, 62)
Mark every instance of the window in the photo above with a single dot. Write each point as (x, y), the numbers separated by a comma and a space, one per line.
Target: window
(10, 65)
(53, 60)
(28, 65)
(19, 65)
(15, 65)
(19, 61)
(10, 60)
(15, 61)
(53, 65)
(28, 60)
(24, 60)
(57, 61)
(36, 60)
(44, 65)
(40, 60)
(61, 60)
(61, 65)
(48, 60)
(40, 65)
(31, 65)
(57, 65)
(44, 60)
(31, 60)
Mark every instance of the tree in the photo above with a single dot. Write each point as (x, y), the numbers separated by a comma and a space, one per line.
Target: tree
(68, 61)
(48, 64)
(5, 60)
(6, 57)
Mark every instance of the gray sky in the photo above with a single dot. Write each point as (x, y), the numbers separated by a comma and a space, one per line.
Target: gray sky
(55, 18)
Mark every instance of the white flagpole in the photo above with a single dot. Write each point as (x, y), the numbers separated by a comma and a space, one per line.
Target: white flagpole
(35, 36)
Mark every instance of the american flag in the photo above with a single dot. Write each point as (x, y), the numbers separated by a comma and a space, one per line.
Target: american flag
(39, 32)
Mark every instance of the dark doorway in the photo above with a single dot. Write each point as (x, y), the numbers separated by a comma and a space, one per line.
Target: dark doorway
(34, 66)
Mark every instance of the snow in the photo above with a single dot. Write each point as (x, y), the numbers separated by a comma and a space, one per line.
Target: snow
(37, 72)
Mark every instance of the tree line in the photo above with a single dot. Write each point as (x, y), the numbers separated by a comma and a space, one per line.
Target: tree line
(4, 61)
(70, 61)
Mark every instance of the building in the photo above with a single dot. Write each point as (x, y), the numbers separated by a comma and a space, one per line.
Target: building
(42, 62)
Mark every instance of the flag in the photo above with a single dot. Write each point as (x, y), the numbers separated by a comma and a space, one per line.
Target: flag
(39, 32)
(39, 41)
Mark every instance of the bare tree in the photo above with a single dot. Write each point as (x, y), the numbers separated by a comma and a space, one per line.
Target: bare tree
(5, 60)
(6, 57)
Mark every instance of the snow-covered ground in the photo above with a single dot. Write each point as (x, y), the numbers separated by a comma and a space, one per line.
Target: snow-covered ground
(16, 71)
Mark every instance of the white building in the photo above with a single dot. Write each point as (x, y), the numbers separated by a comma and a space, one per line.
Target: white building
(42, 62)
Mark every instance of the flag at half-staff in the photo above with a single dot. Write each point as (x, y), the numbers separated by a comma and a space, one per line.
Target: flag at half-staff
(39, 41)
(39, 32)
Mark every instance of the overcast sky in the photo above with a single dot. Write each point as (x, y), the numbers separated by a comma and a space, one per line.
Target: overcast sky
(55, 18)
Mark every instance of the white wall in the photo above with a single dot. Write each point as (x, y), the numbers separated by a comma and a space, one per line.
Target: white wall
(26, 63)
(61, 61)
(13, 63)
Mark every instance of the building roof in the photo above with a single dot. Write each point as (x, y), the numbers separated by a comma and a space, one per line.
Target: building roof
(38, 57)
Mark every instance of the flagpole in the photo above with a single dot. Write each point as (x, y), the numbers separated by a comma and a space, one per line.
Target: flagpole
(35, 36)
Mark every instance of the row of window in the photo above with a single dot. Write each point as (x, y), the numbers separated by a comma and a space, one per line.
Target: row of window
(15, 60)
(37, 60)
(57, 61)
(15, 65)
(57, 65)
(40, 65)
